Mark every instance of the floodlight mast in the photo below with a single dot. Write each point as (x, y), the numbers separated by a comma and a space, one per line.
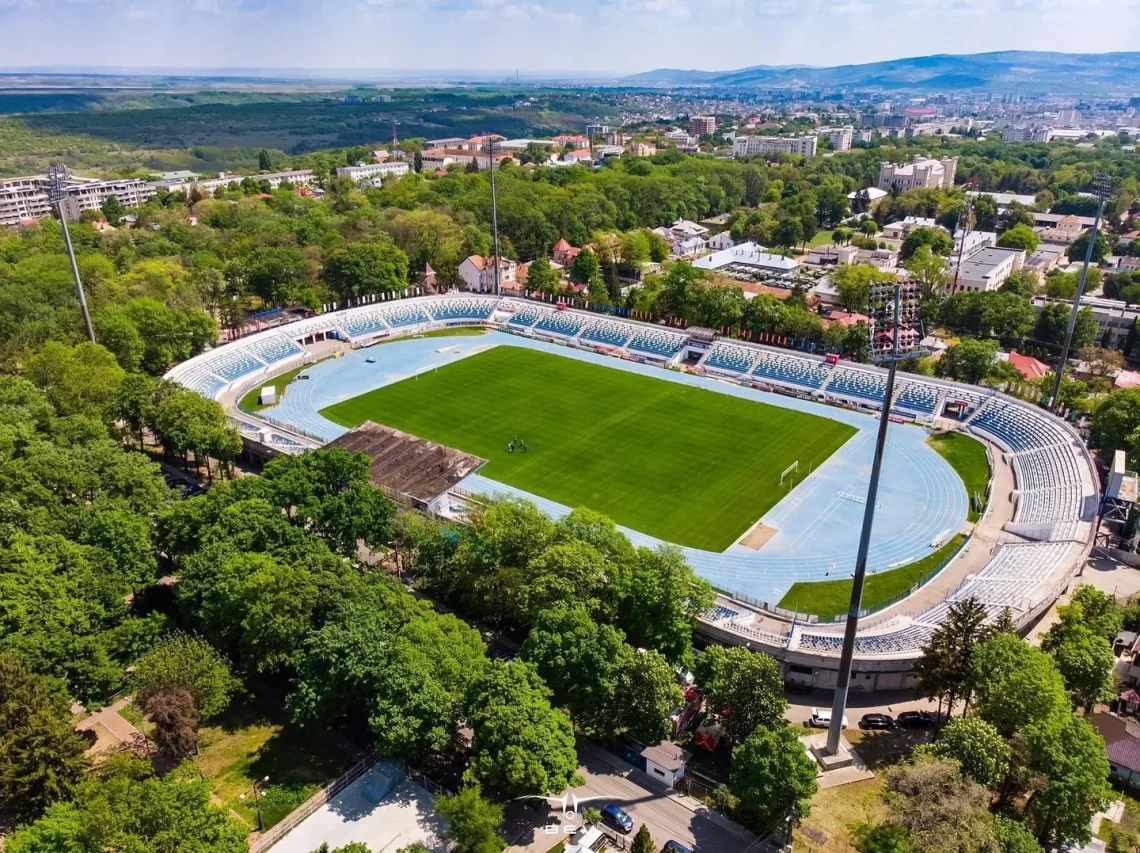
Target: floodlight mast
(892, 355)
(1102, 189)
(56, 194)
(494, 212)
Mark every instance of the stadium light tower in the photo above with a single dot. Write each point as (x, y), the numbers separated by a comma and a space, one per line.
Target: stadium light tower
(57, 191)
(896, 333)
(494, 210)
(1102, 189)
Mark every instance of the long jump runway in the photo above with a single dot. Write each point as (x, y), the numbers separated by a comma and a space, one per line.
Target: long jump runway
(920, 496)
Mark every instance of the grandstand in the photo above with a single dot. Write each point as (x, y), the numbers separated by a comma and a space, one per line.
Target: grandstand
(1056, 487)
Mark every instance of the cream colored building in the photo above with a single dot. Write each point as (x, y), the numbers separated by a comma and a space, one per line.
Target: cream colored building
(923, 173)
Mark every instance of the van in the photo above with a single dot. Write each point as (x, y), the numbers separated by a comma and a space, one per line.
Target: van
(821, 719)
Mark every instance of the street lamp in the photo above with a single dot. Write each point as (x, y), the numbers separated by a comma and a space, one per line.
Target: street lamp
(257, 786)
(494, 210)
(57, 192)
(1102, 189)
(896, 333)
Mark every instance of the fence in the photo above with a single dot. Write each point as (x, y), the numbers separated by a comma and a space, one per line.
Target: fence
(290, 822)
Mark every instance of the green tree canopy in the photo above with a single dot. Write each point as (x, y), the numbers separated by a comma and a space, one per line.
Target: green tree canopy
(771, 774)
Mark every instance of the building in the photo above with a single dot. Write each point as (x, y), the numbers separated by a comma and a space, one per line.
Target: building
(372, 171)
(478, 273)
(296, 177)
(922, 173)
(665, 763)
(642, 149)
(1114, 318)
(723, 240)
(825, 255)
(453, 142)
(563, 253)
(1004, 200)
(746, 258)
(26, 198)
(1064, 232)
(967, 243)
(23, 199)
(1027, 365)
(1026, 133)
(985, 269)
(840, 137)
(702, 125)
(680, 138)
(899, 230)
(749, 146)
(597, 129)
(1044, 260)
(873, 194)
(575, 140)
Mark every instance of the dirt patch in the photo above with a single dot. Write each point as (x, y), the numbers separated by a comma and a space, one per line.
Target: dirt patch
(758, 536)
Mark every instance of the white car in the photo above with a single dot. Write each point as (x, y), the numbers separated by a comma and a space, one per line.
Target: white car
(822, 719)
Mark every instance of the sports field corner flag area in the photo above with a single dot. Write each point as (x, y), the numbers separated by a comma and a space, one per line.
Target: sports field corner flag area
(676, 462)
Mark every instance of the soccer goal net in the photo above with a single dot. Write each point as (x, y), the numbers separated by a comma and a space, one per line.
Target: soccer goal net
(789, 471)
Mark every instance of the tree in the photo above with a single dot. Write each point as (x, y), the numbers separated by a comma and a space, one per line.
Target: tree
(134, 403)
(940, 809)
(187, 663)
(977, 746)
(360, 269)
(264, 163)
(1019, 236)
(743, 686)
(418, 162)
(1016, 685)
(126, 807)
(278, 274)
(472, 821)
(772, 774)
(580, 661)
(647, 693)
(969, 360)
(112, 208)
(42, 758)
(853, 284)
(79, 380)
(584, 268)
(664, 600)
(1013, 837)
(1079, 246)
(541, 276)
(175, 721)
(869, 226)
(945, 670)
(643, 841)
(931, 273)
(1116, 418)
(880, 838)
(1070, 753)
(789, 233)
(521, 745)
(937, 239)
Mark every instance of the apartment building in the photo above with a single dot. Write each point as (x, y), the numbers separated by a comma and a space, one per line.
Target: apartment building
(23, 198)
(749, 146)
(841, 137)
(985, 269)
(296, 177)
(1026, 133)
(702, 125)
(27, 197)
(922, 173)
(372, 171)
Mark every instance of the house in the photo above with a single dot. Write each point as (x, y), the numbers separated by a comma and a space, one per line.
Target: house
(899, 230)
(478, 273)
(821, 255)
(1064, 232)
(846, 318)
(1044, 260)
(576, 140)
(643, 149)
(883, 259)
(1027, 365)
(874, 196)
(665, 763)
(1122, 743)
(723, 240)
(685, 228)
(427, 279)
(687, 247)
(586, 839)
(563, 253)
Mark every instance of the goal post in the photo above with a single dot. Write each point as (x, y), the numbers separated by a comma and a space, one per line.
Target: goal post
(791, 469)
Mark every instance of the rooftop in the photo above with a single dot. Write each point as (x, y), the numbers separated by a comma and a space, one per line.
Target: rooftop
(746, 254)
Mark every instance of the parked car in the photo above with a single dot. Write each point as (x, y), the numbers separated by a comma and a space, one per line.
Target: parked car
(821, 719)
(617, 817)
(675, 847)
(877, 721)
(916, 720)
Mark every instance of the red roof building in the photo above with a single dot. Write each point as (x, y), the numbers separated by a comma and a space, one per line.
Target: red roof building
(1028, 366)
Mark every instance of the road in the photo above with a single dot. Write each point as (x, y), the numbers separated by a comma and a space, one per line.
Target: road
(669, 816)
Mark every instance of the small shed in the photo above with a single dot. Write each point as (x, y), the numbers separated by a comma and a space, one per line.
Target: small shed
(666, 762)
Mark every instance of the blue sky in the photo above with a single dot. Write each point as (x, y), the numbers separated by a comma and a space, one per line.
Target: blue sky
(544, 36)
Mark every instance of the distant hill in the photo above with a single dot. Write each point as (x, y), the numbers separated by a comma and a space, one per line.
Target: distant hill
(1030, 71)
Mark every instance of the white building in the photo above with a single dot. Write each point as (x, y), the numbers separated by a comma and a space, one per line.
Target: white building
(969, 242)
(899, 230)
(23, 199)
(478, 273)
(748, 255)
(749, 146)
(922, 173)
(296, 177)
(985, 269)
(26, 197)
(455, 142)
(1026, 133)
(680, 138)
(840, 138)
(1004, 200)
(665, 763)
(371, 171)
(723, 240)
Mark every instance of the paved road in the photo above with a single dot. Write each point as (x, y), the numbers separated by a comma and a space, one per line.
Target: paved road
(668, 815)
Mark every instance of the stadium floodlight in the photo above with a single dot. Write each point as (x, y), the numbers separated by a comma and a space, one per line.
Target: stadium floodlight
(1102, 189)
(895, 330)
(57, 192)
(494, 210)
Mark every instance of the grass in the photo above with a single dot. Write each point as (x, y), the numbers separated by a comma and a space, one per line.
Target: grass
(967, 456)
(684, 464)
(246, 745)
(831, 598)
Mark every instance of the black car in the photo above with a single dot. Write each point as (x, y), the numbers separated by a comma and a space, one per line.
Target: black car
(675, 847)
(877, 721)
(916, 720)
(616, 816)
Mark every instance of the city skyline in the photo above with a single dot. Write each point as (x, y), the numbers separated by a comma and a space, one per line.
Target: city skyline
(589, 38)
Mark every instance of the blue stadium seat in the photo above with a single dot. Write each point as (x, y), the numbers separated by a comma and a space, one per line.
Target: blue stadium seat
(730, 358)
(462, 309)
(525, 316)
(404, 315)
(792, 370)
(363, 323)
(275, 349)
(561, 323)
(918, 397)
(860, 384)
(657, 342)
(607, 332)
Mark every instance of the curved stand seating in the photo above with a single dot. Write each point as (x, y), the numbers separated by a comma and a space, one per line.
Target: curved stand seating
(729, 358)
(791, 370)
(608, 332)
(860, 384)
(657, 342)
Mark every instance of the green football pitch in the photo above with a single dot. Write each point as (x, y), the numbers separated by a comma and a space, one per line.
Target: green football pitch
(680, 463)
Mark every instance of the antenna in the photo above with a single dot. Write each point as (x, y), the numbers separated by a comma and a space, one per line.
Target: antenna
(57, 192)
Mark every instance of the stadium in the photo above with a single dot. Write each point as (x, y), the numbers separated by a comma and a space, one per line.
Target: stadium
(753, 460)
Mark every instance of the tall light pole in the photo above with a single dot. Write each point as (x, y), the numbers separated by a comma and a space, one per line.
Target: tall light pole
(894, 308)
(1102, 189)
(494, 211)
(57, 192)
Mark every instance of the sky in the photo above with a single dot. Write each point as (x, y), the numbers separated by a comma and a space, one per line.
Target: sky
(552, 37)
